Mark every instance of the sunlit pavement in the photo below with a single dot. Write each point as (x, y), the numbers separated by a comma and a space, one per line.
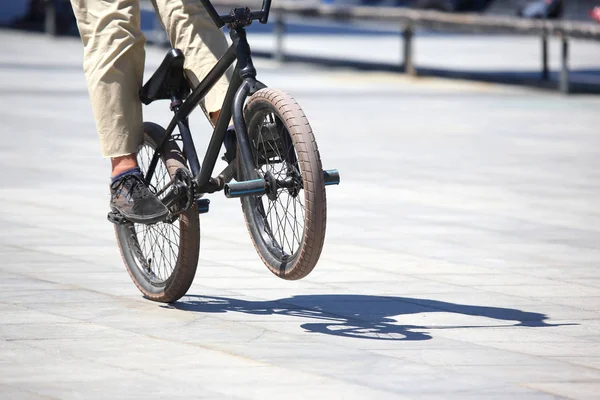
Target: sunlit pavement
(461, 258)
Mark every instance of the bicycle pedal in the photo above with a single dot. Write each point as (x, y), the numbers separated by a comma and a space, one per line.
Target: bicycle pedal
(116, 218)
(203, 206)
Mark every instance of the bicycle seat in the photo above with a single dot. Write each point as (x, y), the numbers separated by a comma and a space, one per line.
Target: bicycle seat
(168, 79)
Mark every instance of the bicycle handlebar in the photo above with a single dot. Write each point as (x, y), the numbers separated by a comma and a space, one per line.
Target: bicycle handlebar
(262, 16)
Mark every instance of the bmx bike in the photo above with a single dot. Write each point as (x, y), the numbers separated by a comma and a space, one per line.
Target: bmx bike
(276, 171)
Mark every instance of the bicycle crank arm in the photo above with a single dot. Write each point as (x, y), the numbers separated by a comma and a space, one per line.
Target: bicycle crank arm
(178, 191)
(180, 195)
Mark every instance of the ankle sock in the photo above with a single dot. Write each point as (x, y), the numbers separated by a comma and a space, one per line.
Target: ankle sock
(131, 171)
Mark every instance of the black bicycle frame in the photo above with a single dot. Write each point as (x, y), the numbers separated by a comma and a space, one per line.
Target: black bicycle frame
(243, 84)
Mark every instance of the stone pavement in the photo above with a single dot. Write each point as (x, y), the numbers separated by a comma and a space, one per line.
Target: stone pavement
(461, 260)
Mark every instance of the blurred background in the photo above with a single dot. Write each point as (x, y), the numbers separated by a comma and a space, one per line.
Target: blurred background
(29, 14)
(497, 51)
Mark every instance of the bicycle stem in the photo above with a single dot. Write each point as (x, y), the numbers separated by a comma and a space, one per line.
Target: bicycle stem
(243, 53)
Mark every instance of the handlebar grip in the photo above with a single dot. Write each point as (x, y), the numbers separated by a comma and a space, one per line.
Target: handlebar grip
(213, 13)
(266, 7)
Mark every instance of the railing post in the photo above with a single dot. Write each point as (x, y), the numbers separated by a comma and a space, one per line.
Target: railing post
(545, 72)
(564, 68)
(279, 32)
(407, 35)
(50, 17)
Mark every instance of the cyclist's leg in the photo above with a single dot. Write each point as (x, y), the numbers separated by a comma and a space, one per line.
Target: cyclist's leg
(191, 30)
(114, 66)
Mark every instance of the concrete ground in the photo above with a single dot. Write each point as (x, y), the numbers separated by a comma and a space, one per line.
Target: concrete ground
(461, 259)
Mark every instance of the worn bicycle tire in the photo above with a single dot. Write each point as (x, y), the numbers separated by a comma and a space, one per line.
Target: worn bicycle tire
(184, 270)
(304, 260)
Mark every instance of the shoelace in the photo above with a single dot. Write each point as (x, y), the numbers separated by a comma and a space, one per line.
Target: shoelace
(136, 189)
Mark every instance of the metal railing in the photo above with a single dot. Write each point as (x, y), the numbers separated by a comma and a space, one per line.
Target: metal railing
(410, 19)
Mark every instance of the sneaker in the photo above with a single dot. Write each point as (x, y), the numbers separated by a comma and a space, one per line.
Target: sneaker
(131, 198)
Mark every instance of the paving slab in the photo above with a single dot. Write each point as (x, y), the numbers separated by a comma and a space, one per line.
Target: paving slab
(461, 258)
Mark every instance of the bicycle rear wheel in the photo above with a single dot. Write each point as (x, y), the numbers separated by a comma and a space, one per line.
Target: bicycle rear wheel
(161, 258)
(287, 224)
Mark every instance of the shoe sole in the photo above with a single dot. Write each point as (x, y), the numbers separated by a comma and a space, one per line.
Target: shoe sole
(148, 220)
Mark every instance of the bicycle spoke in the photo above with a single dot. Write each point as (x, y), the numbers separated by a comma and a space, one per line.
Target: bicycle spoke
(159, 242)
(159, 246)
(285, 221)
(169, 243)
(278, 231)
(291, 224)
(282, 215)
(284, 211)
(295, 219)
(294, 223)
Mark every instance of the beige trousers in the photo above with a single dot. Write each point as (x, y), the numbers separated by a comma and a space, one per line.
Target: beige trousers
(114, 61)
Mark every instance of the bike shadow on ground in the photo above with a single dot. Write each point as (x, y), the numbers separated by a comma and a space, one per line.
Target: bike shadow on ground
(368, 317)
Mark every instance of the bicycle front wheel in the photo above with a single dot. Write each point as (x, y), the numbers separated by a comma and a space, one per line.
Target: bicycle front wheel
(287, 224)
